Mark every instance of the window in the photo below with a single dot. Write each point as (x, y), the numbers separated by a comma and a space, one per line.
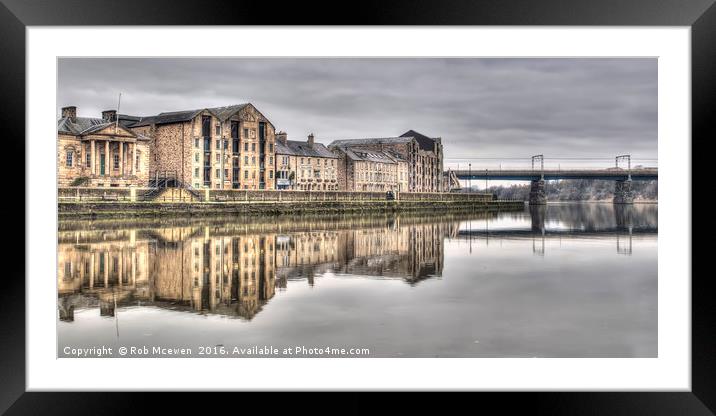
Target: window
(246, 160)
(226, 173)
(218, 157)
(196, 157)
(88, 160)
(206, 126)
(262, 131)
(218, 145)
(196, 142)
(270, 174)
(138, 156)
(246, 147)
(271, 160)
(218, 173)
(196, 172)
(253, 147)
(270, 147)
(253, 160)
(70, 154)
(246, 174)
(218, 129)
(246, 133)
(116, 161)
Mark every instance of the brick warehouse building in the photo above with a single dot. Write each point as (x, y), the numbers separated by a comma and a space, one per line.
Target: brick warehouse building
(99, 151)
(307, 166)
(424, 157)
(370, 170)
(191, 145)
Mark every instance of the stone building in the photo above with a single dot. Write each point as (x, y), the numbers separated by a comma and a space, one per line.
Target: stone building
(307, 166)
(221, 147)
(99, 151)
(370, 170)
(424, 156)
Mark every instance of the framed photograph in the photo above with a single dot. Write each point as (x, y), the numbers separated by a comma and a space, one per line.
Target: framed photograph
(464, 198)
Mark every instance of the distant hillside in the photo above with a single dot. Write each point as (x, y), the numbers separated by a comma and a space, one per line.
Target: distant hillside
(578, 190)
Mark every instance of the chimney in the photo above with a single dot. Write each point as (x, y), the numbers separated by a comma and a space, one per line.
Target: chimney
(69, 112)
(310, 140)
(109, 115)
(282, 137)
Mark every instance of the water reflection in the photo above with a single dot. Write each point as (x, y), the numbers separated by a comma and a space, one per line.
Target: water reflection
(234, 267)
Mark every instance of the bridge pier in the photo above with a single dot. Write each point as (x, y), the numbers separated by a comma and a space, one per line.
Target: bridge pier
(537, 217)
(622, 192)
(537, 194)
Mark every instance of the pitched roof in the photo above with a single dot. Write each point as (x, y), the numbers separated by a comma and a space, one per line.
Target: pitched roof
(370, 155)
(222, 113)
(425, 142)
(81, 125)
(166, 118)
(297, 148)
(369, 141)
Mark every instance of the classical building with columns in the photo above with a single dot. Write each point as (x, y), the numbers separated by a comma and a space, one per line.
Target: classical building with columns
(99, 151)
(228, 147)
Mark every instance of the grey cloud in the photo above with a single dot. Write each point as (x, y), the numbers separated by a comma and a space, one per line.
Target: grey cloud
(480, 107)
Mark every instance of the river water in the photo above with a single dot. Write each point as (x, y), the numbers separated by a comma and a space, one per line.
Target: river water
(567, 280)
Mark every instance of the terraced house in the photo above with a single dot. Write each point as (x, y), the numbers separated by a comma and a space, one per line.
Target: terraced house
(99, 151)
(424, 157)
(230, 147)
(307, 166)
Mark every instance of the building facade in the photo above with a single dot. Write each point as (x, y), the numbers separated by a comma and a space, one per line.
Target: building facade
(99, 152)
(424, 157)
(306, 166)
(229, 147)
(371, 170)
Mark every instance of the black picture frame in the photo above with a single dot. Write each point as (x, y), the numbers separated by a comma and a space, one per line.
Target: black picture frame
(15, 15)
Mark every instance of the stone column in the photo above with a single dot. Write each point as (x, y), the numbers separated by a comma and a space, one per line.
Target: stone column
(121, 159)
(92, 157)
(106, 263)
(623, 193)
(91, 271)
(107, 165)
(133, 158)
(537, 194)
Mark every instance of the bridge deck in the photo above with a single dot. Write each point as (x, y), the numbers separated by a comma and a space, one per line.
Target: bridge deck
(552, 174)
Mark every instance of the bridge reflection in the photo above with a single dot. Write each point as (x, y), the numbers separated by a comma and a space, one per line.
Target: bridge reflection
(235, 267)
(628, 221)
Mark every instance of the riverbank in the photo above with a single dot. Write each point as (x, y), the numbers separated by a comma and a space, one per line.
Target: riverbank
(114, 209)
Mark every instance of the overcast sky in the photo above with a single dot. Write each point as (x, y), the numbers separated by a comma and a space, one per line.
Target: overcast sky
(480, 107)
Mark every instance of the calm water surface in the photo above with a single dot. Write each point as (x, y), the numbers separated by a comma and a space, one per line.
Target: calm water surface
(577, 280)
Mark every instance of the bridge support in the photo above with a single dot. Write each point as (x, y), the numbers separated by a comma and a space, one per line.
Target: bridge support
(623, 193)
(537, 194)
(537, 217)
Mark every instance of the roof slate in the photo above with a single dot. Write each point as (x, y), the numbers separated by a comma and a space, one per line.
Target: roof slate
(425, 142)
(222, 113)
(369, 141)
(81, 125)
(297, 148)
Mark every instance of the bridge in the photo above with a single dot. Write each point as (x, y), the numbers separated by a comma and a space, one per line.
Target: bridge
(622, 176)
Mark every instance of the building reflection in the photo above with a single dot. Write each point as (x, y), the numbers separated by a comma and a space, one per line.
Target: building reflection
(234, 269)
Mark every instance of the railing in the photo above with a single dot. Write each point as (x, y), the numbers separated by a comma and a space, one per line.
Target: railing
(77, 194)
